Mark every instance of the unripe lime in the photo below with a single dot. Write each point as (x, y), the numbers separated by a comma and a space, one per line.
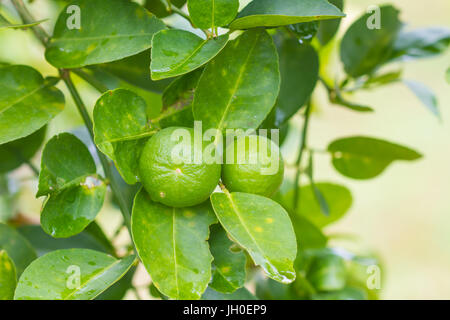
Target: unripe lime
(170, 172)
(257, 166)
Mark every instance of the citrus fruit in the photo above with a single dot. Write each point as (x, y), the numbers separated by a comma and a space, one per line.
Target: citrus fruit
(170, 172)
(254, 166)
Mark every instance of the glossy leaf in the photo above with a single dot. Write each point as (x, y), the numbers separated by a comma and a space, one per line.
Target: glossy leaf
(17, 152)
(71, 274)
(132, 70)
(239, 294)
(43, 243)
(425, 95)
(8, 278)
(363, 50)
(338, 198)
(176, 52)
(228, 269)
(17, 247)
(121, 128)
(119, 289)
(109, 30)
(242, 84)
(365, 158)
(420, 43)
(66, 162)
(171, 243)
(304, 31)
(28, 97)
(206, 14)
(159, 9)
(263, 228)
(76, 193)
(4, 23)
(328, 28)
(299, 68)
(269, 13)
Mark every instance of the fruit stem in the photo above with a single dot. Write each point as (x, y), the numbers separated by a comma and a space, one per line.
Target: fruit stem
(303, 147)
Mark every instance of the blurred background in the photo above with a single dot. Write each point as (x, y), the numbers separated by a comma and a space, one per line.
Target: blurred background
(402, 215)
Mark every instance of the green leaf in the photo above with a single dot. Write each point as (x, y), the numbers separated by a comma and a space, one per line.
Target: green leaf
(304, 32)
(4, 23)
(76, 193)
(268, 289)
(347, 293)
(363, 50)
(228, 269)
(121, 129)
(309, 236)
(299, 68)
(176, 52)
(66, 162)
(240, 294)
(43, 243)
(17, 247)
(447, 75)
(263, 228)
(327, 272)
(206, 14)
(338, 198)
(71, 274)
(269, 13)
(119, 289)
(159, 9)
(425, 95)
(133, 70)
(242, 84)
(8, 279)
(17, 152)
(328, 29)
(28, 97)
(420, 43)
(171, 243)
(109, 30)
(366, 158)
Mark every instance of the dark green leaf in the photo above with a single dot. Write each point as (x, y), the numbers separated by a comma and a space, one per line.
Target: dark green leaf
(71, 274)
(159, 9)
(206, 14)
(171, 243)
(365, 158)
(240, 294)
(242, 84)
(425, 95)
(263, 228)
(8, 277)
(328, 29)
(177, 52)
(17, 152)
(228, 269)
(269, 13)
(420, 43)
(121, 128)
(363, 50)
(43, 243)
(17, 247)
(28, 97)
(299, 68)
(304, 31)
(119, 289)
(109, 30)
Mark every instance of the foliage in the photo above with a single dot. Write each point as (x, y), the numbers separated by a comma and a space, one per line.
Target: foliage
(258, 71)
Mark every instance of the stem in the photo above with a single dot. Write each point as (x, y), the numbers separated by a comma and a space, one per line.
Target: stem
(65, 75)
(303, 147)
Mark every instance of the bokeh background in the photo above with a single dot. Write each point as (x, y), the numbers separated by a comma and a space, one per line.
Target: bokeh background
(402, 215)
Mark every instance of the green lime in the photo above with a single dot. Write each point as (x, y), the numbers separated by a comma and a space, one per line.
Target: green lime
(253, 164)
(172, 170)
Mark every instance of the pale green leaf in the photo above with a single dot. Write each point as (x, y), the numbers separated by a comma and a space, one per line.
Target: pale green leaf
(176, 52)
(263, 228)
(71, 274)
(241, 84)
(269, 13)
(172, 244)
(28, 97)
(4, 23)
(425, 95)
(8, 279)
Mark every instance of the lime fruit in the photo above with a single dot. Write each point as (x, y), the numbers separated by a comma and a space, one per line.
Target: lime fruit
(253, 164)
(172, 172)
